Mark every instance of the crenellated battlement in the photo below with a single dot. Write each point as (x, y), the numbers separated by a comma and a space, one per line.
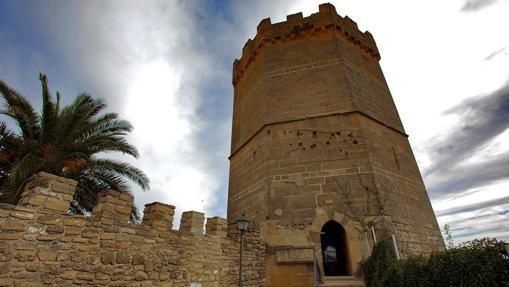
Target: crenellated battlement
(42, 245)
(326, 20)
(49, 194)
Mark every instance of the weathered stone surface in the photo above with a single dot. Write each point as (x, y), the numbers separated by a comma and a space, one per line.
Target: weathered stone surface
(55, 229)
(32, 266)
(13, 225)
(85, 276)
(25, 255)
(290, 256)
(140, 275)
(108, 257)
(69, 275)
(56, 249)
(90, 232)
(49, 219)
(123, 258)
(47, 255)
(138, 259)
(316, 137)
(159, 215)
(192, 222)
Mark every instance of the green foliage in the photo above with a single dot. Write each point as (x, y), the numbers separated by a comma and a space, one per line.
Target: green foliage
(64, 141)
(475, 263)
(376, 268)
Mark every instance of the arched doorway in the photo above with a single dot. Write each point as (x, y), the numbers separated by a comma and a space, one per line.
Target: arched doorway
(334, 249)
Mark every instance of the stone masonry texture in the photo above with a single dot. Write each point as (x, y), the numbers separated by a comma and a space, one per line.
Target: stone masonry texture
(316, 137)
(42, 245)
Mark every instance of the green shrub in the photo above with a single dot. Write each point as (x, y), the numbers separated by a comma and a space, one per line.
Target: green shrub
(376, 268)
(475, 263)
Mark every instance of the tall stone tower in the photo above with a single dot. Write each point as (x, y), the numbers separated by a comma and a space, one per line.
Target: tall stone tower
(319, 157)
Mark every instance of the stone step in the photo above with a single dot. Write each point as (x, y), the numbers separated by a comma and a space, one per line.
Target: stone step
(341, 281)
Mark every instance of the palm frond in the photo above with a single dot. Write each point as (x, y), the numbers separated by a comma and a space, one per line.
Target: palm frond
(123, 169)
(135, 216)
(106, 143)
(58, 103)
(10, 151)
(106, 179)
(18, 108)
(8, 139)
(48, 115)
(11, 193)
(30, 164)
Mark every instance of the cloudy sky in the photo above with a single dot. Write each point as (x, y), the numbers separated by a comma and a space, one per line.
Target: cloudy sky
(166, 67)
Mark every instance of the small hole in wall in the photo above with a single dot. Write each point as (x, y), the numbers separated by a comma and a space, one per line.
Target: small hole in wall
(290, 144)
(355, 142)
(254, 153)
(300, 144)
(313, 146)
(298, 134)
(338, 133)
(268, 132)
(327, 142)
(332, 134)
(303, 148)
(314, 134)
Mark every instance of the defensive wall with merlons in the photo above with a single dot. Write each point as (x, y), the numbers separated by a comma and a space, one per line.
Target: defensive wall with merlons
(42, 245)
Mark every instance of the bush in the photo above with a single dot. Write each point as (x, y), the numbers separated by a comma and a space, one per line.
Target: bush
(376, 268)
(475, 263)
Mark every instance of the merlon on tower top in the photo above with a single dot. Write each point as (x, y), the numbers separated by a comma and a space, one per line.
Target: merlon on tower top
(298, 26)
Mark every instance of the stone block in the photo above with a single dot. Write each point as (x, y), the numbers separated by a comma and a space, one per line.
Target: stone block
(138, 259)
(140, 276)
(49, 219)
(123, 258)
(216, 226)
(56, 204)
(90, 232)
(13, 225)
(48, 193)
(159, 215)
(292, 256)
(113, 205)
(47, 255)
(108, 257)
(192, 222)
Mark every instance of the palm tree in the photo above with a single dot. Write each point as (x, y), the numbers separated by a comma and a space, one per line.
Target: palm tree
(65, 141)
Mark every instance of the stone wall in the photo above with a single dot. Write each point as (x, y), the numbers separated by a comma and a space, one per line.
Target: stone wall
(42, 245)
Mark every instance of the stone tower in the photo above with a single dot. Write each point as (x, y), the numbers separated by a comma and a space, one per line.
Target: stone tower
(319, 157)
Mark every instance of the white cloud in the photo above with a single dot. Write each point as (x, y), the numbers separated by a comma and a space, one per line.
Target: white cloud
(144, 58)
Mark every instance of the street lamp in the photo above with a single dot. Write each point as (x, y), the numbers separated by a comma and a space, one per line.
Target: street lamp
(242, 225)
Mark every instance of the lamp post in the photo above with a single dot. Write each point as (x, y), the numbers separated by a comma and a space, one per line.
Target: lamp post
(242, 225)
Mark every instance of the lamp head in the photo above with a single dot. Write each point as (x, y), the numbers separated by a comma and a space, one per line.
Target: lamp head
(242, 224)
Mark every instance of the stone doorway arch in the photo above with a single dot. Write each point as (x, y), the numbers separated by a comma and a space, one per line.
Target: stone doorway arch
(335, 255)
